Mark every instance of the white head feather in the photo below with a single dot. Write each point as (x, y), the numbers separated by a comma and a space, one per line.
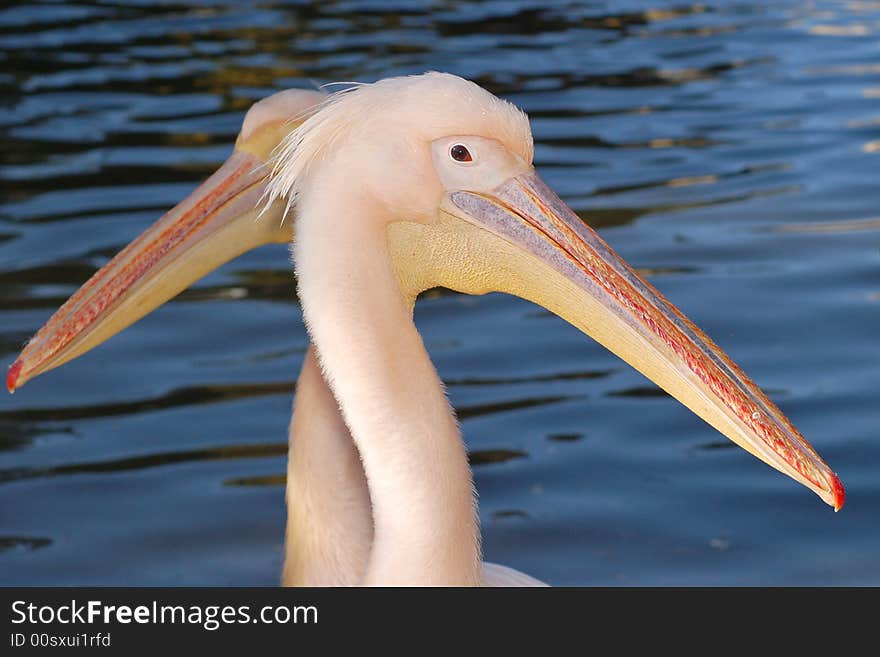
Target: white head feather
(421, 107)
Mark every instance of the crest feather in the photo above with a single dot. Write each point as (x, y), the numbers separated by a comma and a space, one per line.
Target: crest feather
(429, 106)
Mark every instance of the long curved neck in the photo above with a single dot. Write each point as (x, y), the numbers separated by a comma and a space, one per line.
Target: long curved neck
(329, 519)
(425, 525)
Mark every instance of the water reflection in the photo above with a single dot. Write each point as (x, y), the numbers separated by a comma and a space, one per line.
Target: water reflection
(23, 542)
(177, 397)
(231, 452)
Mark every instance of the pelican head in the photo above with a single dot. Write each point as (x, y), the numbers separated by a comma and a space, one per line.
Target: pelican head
(410, 140)
(435, 174)
(208, 228)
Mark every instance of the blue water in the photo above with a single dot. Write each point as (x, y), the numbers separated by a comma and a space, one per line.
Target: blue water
(729, 150)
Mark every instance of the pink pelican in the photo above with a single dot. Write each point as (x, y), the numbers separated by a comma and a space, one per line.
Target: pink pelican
(385, 190)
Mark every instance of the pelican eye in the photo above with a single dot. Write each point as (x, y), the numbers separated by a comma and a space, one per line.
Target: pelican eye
(460, 153)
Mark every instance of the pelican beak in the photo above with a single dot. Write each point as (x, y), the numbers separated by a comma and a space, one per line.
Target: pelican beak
(217, 222)
(551, 257)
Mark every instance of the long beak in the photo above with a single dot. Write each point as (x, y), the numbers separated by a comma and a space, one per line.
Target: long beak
(216, 223)
(585, 282)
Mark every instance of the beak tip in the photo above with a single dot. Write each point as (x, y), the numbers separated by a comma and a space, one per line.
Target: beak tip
(837, 491)
(12, 376)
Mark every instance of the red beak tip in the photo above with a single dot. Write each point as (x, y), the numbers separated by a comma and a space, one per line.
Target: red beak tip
(838, 491)
(12, 376)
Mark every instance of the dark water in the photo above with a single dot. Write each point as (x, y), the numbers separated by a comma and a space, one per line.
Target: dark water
(730, 150)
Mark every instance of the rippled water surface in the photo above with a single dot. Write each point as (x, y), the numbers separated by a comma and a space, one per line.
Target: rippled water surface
(729, 150)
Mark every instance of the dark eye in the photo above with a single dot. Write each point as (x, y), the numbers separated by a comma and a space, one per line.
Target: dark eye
(460, 153)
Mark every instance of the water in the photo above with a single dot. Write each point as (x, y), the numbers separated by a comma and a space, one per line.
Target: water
(729, 150)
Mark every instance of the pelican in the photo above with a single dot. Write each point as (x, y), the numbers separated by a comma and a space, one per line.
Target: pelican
(385, 190)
